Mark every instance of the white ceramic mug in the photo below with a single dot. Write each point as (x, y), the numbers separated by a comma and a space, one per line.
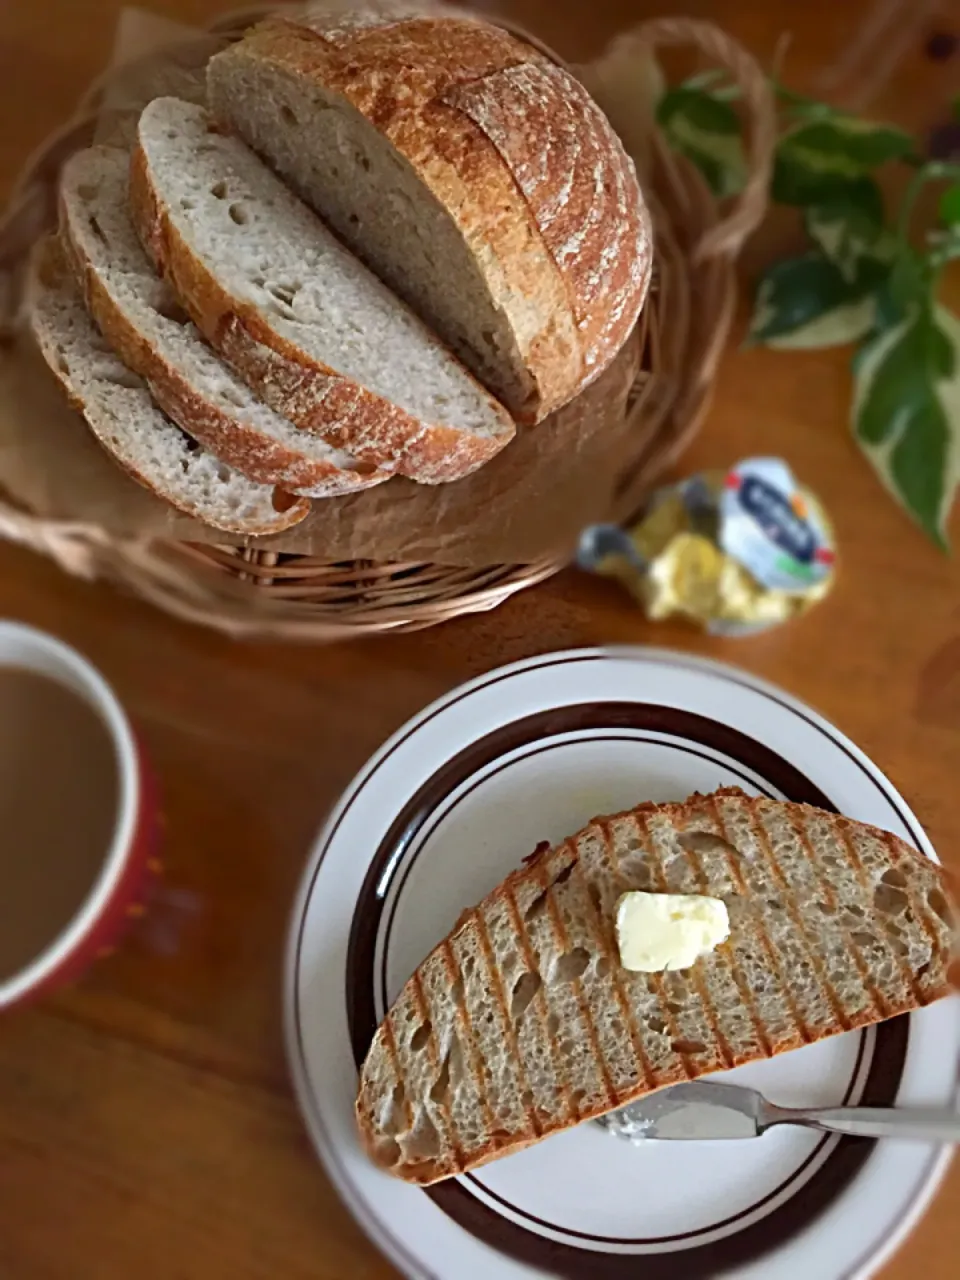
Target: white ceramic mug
(129, 857)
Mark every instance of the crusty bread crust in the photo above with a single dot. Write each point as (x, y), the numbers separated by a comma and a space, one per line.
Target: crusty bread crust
(310, 394)
(262, 458)
(631, 850)
(519, 155)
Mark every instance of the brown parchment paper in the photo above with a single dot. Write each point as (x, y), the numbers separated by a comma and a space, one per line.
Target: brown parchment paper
(529, 502)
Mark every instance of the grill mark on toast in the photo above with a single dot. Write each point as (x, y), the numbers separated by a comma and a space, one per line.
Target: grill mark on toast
(906, 972)
(876, 996)
(539, 1003)
(561, 936)
(656, 979)
(453, 976)
(473, 1055)
(694, 974)
(728, 956)
(626, 1011)
(826, 986)
(500, 996)
(398, 1075)
(765, 941)
(449, 1137)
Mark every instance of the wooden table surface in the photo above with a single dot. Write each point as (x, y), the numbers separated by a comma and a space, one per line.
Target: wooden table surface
(146, 1123)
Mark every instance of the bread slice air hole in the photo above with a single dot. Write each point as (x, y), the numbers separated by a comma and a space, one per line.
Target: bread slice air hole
(637, 873)
(219, 189)
(124, 378)
(537, 907)
(168, 307)
(861, 938)
(571, 966)
(706, 842)
(889, 900)
(524, 990)
(687, 1047)
(418, 1041)
(441, 1086)
(938, 904)
(239, 214)
(564, 875)
(288, 116)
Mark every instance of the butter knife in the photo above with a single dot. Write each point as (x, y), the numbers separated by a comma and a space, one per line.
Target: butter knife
(705, 1110)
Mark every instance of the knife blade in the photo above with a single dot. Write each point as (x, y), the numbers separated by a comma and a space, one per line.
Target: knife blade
(699, 1110)
(704, 1110)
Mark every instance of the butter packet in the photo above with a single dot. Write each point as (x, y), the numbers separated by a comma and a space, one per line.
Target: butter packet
(737, 551)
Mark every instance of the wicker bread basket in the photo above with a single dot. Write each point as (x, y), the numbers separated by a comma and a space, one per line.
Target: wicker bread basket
(251, 592)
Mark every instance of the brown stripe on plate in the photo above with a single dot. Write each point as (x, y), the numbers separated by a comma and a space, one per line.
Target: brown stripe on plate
(414, 824)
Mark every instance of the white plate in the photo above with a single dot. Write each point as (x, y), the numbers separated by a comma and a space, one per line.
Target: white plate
(435, 820)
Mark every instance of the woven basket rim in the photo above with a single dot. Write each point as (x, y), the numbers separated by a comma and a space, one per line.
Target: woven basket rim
(258, 592)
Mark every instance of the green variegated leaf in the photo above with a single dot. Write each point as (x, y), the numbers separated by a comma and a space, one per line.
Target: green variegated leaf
(849, 226)
(705, 129)
(807, 302)
(796, 183)
(906, 413)
(819, 160)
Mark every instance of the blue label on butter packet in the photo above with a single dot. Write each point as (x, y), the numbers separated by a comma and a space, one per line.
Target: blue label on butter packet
(771, 529)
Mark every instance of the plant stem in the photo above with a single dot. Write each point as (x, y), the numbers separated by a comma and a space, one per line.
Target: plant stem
(931, 171)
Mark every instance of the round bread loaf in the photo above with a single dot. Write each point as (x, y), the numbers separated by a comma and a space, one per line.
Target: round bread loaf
(476, 176)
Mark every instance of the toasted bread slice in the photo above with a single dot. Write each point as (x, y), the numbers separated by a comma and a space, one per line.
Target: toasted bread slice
(523, 1022)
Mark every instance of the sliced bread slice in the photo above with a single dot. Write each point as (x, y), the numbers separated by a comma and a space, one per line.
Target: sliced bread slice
(140, 318)
(300, 319)
(523, 1021)
(121, 414)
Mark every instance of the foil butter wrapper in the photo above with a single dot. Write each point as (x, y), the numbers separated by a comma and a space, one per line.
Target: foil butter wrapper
(736, 551)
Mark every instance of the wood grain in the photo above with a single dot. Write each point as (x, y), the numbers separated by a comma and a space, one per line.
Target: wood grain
(146, 1125)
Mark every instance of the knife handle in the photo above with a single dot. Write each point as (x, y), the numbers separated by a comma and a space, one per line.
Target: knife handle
(916, 1124)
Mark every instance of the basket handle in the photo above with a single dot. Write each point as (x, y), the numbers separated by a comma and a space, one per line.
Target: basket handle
(747, 212)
